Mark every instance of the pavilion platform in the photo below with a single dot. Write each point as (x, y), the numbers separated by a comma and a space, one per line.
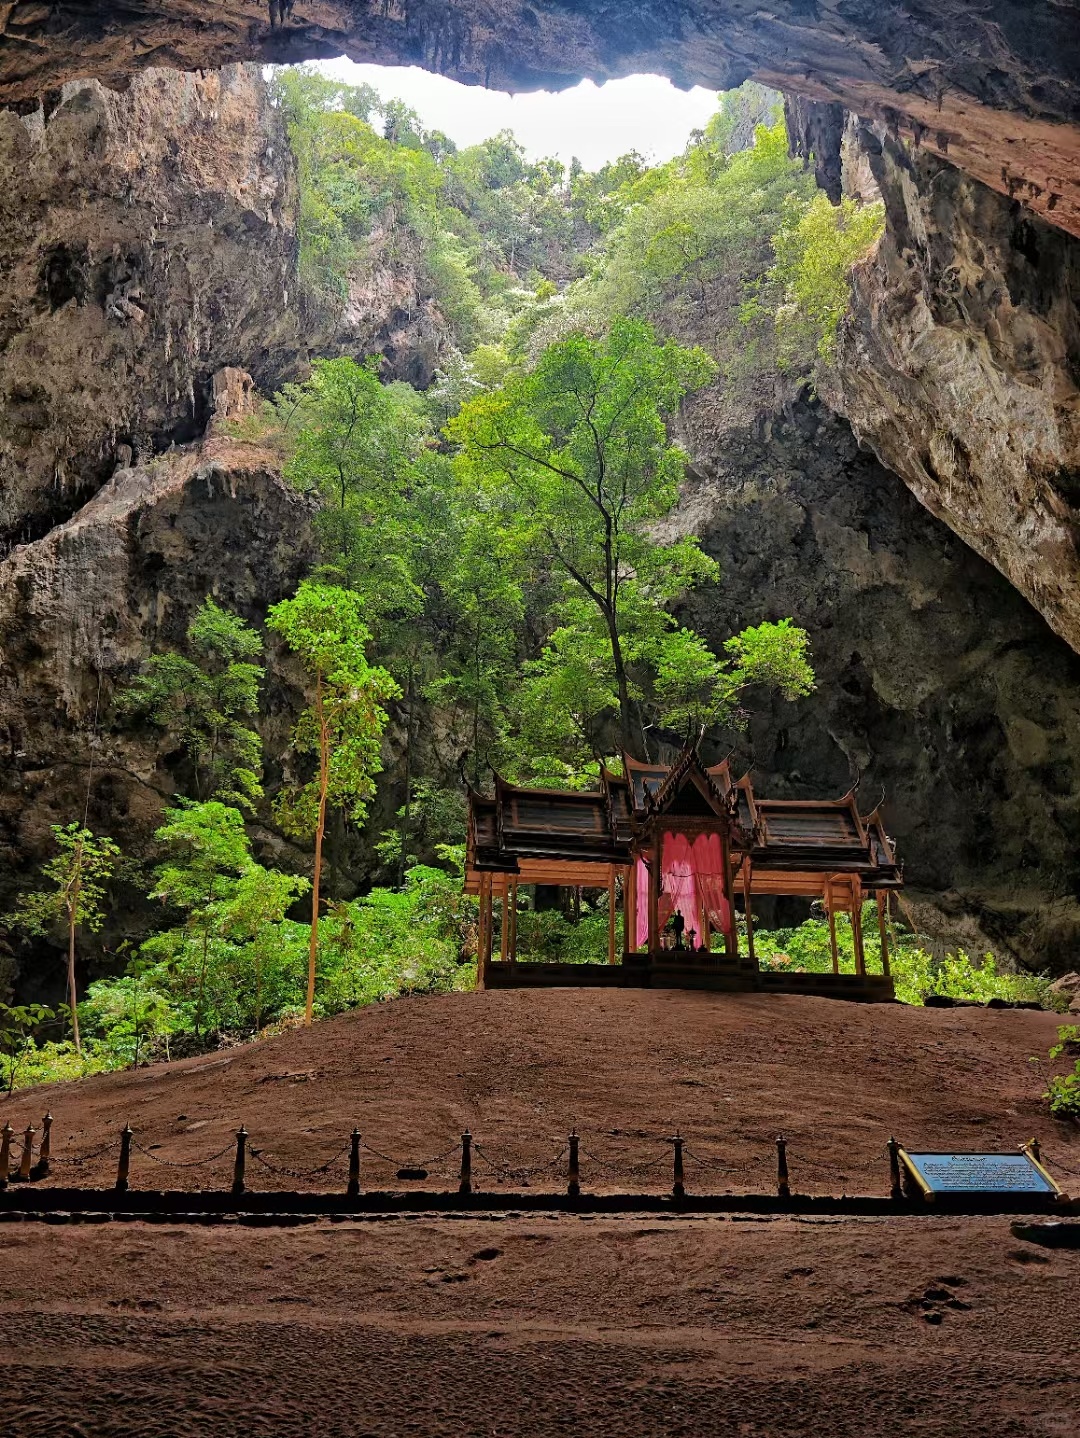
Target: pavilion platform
(715, 975)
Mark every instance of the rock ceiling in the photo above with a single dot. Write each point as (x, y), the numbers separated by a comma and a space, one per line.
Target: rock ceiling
(992, 84)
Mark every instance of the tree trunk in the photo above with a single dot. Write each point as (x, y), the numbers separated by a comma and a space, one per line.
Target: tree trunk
(324, 784)
(72, 996)
(629, 733)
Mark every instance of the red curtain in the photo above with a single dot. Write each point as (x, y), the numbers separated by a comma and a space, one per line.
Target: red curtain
(693, 883)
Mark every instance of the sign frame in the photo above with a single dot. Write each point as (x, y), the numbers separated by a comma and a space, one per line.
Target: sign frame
(1051, 1193)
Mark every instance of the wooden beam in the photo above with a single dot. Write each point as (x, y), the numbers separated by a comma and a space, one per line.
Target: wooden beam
(611, 920)
(882, 932)
(630, 900)
(504, 935)
(484, 936)
(513, 920)
(655, 871)
(832, 937)
(749, 916)
(857, 934)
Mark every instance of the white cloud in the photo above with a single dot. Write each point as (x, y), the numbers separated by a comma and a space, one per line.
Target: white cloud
(594, 122)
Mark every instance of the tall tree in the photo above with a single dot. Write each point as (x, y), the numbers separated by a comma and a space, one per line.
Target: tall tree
(208, 701)
(73, 900)
(343, 727)
(579, 449)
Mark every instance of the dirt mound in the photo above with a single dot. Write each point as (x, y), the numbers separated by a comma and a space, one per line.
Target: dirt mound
(519, 1069)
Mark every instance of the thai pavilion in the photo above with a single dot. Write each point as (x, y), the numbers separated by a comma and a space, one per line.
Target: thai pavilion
(683, 843)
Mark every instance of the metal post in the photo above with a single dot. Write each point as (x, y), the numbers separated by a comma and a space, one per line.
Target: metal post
(677, 1187)
(573, 1176)
(1034, 1148)
(896, 1190)
(353, 1186)
(5, 1154)
(123, 1167)
(241, 1157)
(46, 1143)
(28, 1152)
(783, 1187)
(465, 1183)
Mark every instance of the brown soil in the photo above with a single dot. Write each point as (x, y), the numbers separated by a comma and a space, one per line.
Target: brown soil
(520, 1068)
(514, 1326)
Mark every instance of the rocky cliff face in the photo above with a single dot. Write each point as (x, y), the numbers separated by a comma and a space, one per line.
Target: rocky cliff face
(146, 240)
(959, 365)
(82, 607)
(937, 684)
(990, 83)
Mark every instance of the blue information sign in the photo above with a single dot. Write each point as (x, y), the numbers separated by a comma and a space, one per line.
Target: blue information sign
(978, 1173)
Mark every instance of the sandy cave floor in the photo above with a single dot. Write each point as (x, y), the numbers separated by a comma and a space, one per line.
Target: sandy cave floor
(552, 1323)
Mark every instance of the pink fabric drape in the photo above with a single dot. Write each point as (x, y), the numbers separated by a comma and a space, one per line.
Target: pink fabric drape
(693, 883)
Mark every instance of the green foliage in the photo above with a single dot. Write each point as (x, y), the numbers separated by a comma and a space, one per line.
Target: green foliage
(917, 975)
(804, 294)
(324, 627)
(208, 702)
(77, 877)
(18, 1025)
(1063, 1090)
(219, 963)
(576, 456)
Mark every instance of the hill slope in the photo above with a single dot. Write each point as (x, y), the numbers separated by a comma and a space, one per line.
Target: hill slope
(626, 1067)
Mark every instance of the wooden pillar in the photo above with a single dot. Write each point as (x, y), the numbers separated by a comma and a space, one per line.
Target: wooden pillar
(611, 917)
(832, 930)
(731, 938)
(655, 872)
(630, 899)
(882, 933)
(504, 936)
(749, 915)
(484, 936)
(856, 929)
(513, 920)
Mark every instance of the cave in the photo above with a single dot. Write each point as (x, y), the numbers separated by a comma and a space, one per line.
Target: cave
(695, 1182)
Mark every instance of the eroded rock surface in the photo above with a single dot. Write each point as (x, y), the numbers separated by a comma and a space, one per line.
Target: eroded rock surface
(990, 83)
(148, 239)
(959, 364)
(81, 608)
(936, 682)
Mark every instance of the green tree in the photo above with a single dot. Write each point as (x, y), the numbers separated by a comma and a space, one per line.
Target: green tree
(208, 702)
(77, 877)
(580, 452)
(343, 727)
(208, 850)
(18, 1025)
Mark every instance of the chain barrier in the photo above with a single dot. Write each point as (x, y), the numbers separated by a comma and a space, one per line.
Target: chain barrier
(505, 1171)
(259, 1155)
(1057, 1163)
(193, 1163)
(428, 1163)
(842, 1167)
(712, 1163)
(80, 1158)
(631, 1168)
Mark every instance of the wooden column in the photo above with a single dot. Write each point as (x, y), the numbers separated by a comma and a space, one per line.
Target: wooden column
(513, 920)
(832, 930)
(504, 936)
(731, 938)
(856, 929)
(484, 936)
(882, 933)
(655, 872)
(749, 915)
(611, 917)
(630, 907)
